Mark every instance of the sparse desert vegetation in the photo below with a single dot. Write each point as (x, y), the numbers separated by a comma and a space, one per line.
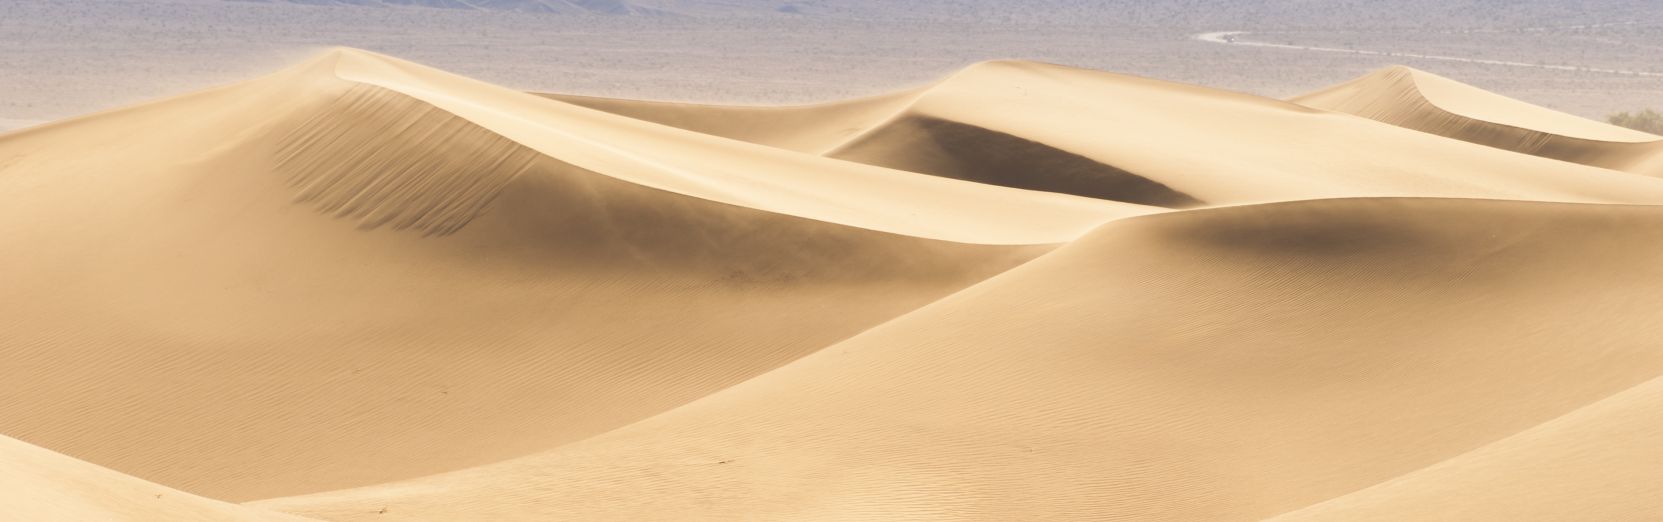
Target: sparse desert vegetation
(1648, 120)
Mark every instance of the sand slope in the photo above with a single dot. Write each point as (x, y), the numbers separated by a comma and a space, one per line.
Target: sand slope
(1216, 365)
(1591, 464)
(36, 484)
(1430, 103)
(310, 282)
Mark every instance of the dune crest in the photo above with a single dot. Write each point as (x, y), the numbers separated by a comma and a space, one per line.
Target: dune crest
(814, 129)
(741, 173)
(1117, 137)
(1433, 104)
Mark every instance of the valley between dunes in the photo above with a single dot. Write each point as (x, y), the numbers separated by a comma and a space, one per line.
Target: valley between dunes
(363, 289)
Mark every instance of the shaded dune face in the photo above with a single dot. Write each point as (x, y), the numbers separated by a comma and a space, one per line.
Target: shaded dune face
(1397, 96)
(956, 150)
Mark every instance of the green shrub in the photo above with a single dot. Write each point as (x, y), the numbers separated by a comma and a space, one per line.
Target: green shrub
(1643, 121)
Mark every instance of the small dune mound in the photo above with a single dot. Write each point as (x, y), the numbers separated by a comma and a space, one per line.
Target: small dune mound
(1221, 364)
(956, 150)
(1433, 104)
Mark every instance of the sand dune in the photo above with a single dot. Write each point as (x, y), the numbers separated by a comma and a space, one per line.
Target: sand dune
(36, 484)
(243, 346)
(1220, 365)
(361, 288)
(1149, 142)
(1430, 103)
(739, 173)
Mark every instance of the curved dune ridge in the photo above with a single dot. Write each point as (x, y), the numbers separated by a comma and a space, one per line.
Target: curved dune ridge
(740, 173)
(361, 288)
(1145, 141)
(1430, 103)
(814, 129)
(1218, 365)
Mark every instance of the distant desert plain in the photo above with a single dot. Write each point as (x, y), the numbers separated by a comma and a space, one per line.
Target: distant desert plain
(334, 282)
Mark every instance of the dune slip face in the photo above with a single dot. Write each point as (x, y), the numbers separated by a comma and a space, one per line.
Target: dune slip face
(361, 288)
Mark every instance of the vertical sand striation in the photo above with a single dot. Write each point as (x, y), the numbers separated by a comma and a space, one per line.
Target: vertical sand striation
(382, 158)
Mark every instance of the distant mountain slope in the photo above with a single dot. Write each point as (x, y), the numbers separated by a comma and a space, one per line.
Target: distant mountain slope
(1193, 14)
(609, 7)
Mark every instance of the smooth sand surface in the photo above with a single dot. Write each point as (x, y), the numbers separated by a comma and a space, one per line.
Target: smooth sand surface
(1430, 103)
(1225, 364)
(1591, 464)
(36, 484)
(360, 288)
